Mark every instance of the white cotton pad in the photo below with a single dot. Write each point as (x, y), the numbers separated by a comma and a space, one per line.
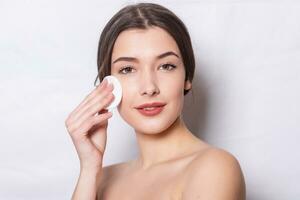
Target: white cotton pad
(117, 91)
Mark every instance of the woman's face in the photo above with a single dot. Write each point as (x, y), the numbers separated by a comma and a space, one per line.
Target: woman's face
(149, 75)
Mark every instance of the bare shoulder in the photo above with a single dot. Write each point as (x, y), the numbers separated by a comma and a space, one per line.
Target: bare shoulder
(215, 174)
(214, 158)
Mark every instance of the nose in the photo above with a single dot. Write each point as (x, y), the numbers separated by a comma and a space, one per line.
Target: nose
(148, 84)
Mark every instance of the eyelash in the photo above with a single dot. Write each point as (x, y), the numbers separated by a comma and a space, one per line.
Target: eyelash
(128, 66)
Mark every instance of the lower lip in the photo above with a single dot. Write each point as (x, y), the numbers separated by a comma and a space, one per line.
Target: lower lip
(153, 112)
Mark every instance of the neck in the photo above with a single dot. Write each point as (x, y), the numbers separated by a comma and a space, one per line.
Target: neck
(158, 148)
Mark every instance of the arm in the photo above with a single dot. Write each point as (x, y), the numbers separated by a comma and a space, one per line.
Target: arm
(87, 185)
(216, 176)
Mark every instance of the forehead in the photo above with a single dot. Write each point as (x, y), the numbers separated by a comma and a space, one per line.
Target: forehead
(144, 43)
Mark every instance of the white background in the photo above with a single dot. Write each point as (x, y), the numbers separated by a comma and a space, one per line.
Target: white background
(246, 90)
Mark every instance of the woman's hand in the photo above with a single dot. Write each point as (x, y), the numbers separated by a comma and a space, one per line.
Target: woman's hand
(87, 126)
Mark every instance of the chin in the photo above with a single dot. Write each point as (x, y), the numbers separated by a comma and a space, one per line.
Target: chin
(150, 129)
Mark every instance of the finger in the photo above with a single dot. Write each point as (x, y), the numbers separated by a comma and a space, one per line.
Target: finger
(96, 107)
(98, 89)
(84, 128)
(92, 102)
(92, 110)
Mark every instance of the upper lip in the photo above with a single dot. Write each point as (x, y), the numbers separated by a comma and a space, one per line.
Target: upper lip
(153, 104)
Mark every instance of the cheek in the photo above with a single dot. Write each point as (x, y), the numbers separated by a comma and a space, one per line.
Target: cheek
(174, 93)
(126, 107)
(176, 96)
(129, 95)
(174, 85)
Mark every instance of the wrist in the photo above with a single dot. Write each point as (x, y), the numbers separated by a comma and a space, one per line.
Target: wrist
(91, 168)
(92, 175)
(93, 171)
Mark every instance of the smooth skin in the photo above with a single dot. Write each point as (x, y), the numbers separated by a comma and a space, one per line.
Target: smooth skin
(172, 162)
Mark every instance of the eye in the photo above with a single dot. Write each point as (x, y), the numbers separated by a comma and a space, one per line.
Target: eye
(126, 68)
(168, 66)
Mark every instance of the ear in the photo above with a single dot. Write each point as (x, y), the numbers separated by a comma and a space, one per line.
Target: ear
(187, 85)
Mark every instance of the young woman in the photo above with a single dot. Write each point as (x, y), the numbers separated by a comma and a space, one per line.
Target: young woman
(148, 49)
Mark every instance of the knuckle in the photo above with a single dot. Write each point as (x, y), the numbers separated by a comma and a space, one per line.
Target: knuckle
(90, 110)
(72, 127)
(76, 131)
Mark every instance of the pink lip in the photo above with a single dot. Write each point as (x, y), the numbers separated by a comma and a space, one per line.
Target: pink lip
(153, 112)
(153, 104)
(158, 107)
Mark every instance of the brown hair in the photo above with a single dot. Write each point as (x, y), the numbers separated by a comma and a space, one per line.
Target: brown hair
(143, 16)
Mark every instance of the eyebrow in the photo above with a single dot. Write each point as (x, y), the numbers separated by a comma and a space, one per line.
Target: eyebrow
(133, 59)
